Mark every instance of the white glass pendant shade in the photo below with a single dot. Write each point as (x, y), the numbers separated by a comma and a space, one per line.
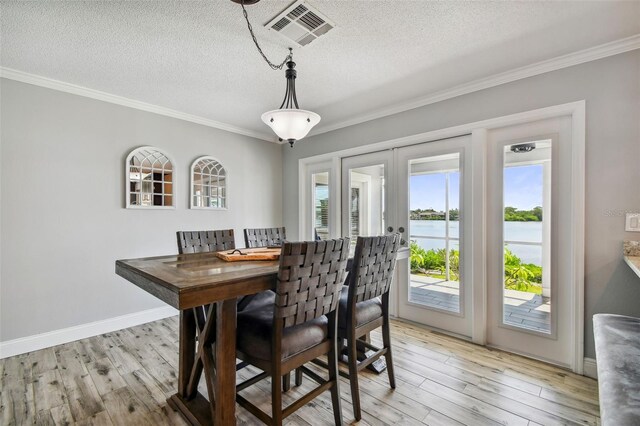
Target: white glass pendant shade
(291, 124)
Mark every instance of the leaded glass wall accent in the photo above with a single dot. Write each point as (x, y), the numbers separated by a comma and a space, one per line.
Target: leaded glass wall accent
(208, 184)
(150, 178)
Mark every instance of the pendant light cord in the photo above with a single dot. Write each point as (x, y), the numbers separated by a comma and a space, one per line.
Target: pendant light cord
(255, 40)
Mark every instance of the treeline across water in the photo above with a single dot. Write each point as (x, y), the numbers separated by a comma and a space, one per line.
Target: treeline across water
(511, 214)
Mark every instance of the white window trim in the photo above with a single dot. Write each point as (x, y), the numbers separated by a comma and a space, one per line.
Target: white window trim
(127, 172)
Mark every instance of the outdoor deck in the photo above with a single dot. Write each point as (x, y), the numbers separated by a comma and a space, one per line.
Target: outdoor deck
(527, 310)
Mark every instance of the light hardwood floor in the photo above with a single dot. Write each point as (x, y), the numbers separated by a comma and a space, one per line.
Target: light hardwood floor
(124, 377)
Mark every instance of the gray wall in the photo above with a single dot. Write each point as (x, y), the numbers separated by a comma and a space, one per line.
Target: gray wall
(611, 88)
(62, 217)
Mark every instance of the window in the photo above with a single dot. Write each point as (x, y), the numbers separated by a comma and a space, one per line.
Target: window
(208, 184)
(150, 178)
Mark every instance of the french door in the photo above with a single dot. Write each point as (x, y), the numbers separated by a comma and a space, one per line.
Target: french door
(434, 283)
(490, 248)
(530, 296)
(418, 191)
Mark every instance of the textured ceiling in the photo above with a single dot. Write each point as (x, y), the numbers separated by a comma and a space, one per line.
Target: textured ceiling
(198, 58)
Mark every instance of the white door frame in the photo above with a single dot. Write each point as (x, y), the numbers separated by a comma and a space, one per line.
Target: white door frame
(478, 130)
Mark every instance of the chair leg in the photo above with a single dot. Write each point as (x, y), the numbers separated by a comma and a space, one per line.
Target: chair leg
(340, 348)
(353, 376)
(286, 382)
(332, 358)
(298, 376)
(386, 341)
(276, 400)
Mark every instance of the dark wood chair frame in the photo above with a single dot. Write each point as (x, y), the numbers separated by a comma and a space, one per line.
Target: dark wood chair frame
(297, 302)
(370, 276)
(264, 237)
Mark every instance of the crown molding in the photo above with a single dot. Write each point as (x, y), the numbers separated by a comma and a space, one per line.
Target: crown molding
(557, 63)
(50, 83)
(560, 62)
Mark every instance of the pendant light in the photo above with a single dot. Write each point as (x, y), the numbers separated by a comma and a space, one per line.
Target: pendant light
(289, 122)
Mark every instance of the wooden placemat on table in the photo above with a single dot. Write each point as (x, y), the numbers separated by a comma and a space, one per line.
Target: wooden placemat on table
(263, 253)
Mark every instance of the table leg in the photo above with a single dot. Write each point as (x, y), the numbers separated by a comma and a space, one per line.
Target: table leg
(219, 371)
(187, 349)
(194, 408)
(225, 359)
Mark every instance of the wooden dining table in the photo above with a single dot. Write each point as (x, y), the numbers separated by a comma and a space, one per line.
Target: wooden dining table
(204, 289)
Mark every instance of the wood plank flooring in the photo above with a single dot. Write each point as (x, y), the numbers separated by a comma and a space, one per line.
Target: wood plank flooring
(124, 378)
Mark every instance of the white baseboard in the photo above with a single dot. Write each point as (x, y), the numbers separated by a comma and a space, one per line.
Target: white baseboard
(590, 368)
(66, 335)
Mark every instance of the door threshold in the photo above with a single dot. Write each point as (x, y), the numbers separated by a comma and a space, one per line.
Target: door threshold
(434, 329)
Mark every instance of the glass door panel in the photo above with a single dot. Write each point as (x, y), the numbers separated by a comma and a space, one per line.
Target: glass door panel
(364, 178)
(526, 233)
(366, 216)
(321, 200)
(434, 205)
(432, 194)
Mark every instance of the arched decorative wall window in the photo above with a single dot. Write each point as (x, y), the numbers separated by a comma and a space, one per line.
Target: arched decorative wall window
(150, 179)
(208, 184)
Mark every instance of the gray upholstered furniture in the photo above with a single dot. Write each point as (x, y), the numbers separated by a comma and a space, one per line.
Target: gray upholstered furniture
(617, 340)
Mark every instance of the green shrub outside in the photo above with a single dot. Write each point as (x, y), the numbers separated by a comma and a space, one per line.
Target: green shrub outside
(519, 276)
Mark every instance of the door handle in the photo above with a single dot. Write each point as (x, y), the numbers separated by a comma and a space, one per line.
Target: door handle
(390, 229)
(401, 229)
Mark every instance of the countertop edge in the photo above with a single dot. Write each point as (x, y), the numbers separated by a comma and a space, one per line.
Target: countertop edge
(634, 263)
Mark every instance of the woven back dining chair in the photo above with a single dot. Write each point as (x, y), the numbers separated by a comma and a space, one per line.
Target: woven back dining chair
(264, 237)
(205, 241)
(365, 307)
(300, 326)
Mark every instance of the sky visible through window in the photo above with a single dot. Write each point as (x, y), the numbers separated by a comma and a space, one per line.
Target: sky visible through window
(322, 192)
(522, 189)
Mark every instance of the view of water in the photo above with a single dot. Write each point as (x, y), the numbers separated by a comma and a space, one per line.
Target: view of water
(513, 231)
